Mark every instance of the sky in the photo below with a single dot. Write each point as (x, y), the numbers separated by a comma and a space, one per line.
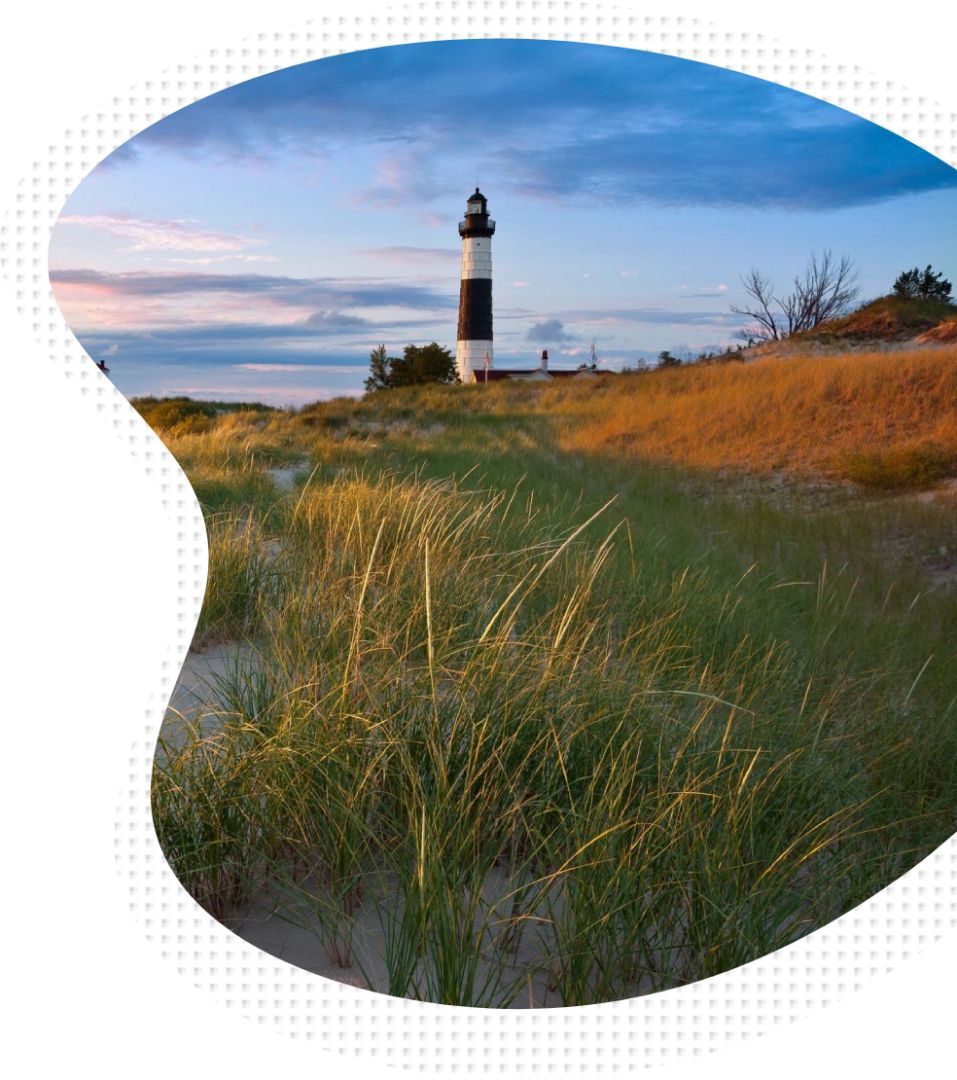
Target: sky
(258, 244)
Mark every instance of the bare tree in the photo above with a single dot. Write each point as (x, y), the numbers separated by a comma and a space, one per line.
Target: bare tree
(592, 360)
(828, 288)
(761, 291)
(593, 352)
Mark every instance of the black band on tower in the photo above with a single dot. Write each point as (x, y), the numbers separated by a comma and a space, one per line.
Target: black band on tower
(475, 310)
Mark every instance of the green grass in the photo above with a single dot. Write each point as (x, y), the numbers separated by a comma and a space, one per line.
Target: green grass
(900, 468)
(642, 724)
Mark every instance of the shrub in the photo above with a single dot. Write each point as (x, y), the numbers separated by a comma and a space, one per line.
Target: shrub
(180, 413)
(922, 284)
(900, 468)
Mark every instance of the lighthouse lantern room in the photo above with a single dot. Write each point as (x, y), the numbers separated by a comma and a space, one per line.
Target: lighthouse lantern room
(473, 348)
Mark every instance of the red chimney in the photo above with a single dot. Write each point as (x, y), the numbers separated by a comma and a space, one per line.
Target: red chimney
(544, 359)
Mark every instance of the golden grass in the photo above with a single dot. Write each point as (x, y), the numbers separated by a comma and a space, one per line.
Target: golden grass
(804, 415)
(570, 722)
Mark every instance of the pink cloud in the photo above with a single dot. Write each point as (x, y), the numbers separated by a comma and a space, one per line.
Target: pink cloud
(145, 234)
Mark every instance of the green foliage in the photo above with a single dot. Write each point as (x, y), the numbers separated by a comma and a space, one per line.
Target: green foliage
(177, 413)
(418, 366)
(923, 285)
(379, 363)
(666, 359)
(184, 415)
(900, 468)
(888, 318)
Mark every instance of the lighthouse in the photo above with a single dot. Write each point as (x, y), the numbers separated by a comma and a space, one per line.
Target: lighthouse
(473, 348)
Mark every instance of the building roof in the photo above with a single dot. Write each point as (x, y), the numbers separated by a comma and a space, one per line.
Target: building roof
(497, 374)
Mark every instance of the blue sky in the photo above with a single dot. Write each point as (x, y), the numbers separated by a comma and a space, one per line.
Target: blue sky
(259, 243)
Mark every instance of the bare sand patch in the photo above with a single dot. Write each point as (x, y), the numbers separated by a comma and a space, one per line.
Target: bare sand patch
(285, 476)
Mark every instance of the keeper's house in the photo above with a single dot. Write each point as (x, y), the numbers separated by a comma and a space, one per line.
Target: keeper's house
(538, 374)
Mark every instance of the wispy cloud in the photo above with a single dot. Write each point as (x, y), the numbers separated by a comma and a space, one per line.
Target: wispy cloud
(208, 260)
(429, 220)
(320, 293)
(401, 178)
(146, 234)
(650, 316)
(706, 291)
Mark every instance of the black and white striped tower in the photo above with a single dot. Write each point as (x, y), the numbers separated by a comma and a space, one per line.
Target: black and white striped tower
(474, 339)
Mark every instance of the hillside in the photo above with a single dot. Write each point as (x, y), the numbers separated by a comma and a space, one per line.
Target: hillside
(492, 660)
(884, 419)
(887, 322)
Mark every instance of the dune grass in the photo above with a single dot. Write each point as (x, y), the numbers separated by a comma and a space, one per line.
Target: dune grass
(512, 692)
(804, 415)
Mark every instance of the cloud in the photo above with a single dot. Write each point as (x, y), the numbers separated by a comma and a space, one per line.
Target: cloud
(401, 178)
(146, 234)
(652, 316)
(334, 320)
(210, 259)
(319, 293)
(572, 122)
(809, 169)
(430, 220)
(551, 330)
(111, 351)
(521, 284)
(707, 290)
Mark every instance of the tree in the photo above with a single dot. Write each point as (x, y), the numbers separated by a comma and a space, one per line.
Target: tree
(922, 285)
(665, 359)
(826, 291)
(419, 364)
(378, 370)
(422, 364)
(592, 361)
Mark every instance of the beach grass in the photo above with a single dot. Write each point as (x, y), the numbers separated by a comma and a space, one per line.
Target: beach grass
(521, 699)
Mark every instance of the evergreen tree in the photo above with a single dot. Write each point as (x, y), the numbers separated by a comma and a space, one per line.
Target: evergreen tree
(379, 370)
(919, 284)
